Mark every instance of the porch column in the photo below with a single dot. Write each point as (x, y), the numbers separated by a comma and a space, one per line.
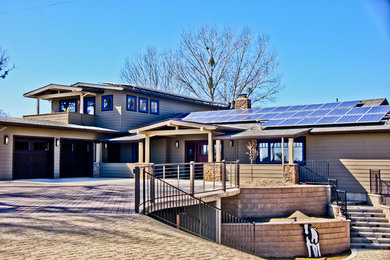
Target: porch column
(218, 156)
(283, 153)
(291, 150)
(38, 106)
(81, 104)
(98, 152)
(140, 151)
(147, 148)
(211, 147)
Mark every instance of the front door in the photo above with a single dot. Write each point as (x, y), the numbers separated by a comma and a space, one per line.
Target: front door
(196, 151)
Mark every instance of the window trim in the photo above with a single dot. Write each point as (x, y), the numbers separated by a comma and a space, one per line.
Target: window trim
(86, 105)
(127, 103)
(269, 141)
(158, 106)
(112, 103)
(67, 104)
(139, 105)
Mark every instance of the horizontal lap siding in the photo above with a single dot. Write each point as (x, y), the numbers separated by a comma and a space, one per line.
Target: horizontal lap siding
(109, 119)
(120, 170)
(261, 172)
(278, 202)
(359, 147)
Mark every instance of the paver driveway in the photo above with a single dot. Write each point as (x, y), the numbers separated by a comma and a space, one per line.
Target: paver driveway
(81, 195)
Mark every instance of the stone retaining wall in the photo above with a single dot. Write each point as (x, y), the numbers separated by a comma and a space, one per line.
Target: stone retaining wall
(311, 200)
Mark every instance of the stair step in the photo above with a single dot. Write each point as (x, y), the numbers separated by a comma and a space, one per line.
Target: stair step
(370, 229)
(367, 214)
(370, 240)
(370, 234)
(369, 219)
(353, 202)
(370, 224)
(371, 245)
(364, 209)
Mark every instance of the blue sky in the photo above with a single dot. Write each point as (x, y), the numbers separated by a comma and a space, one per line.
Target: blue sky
(326, 49)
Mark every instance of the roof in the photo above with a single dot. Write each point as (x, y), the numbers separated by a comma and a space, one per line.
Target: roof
(125, 139)
(16, 121)
(172, 123)
(99, 88)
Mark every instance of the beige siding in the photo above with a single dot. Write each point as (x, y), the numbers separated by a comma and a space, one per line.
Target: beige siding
(109, 119)
(336, 148)
(159, 150)
(237, 151)
(261, 171)
(6, 151)
(177, 155)
(119, 170)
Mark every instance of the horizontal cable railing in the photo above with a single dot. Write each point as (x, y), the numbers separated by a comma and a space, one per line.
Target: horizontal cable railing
(379, 186)
(167, 203)
(314, 172)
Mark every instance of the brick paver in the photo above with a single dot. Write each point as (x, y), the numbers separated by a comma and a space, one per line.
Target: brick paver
(366, 254)
(59, 236)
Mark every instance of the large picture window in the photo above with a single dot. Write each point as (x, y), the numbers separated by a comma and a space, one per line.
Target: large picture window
(154, 106)
(131, 103)
(143, 105)
(70, 103)
(107, 102)
(270, 151)
(89, 105)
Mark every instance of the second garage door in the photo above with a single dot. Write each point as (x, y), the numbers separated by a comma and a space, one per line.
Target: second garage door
(76, 158)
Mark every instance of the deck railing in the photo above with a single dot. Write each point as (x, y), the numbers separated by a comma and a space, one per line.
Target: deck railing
(379, 186)
(314, 172)
(167, 203)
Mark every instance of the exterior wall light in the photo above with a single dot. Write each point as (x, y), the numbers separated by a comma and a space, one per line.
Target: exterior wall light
(177, 143)
(105, 145)
(231, 143)
(6, 139)
(57, 141)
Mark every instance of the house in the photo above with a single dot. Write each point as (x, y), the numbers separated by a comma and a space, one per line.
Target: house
(63, 143)
(118, 125)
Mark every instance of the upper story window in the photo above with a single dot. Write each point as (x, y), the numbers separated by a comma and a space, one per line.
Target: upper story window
(107, 103)
(270, 151)
(69, 103)
(143, 105)
(131, 103)
(89, 105)
(154, 106)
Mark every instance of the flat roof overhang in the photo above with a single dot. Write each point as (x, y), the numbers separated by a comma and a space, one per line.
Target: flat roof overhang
(264, 134)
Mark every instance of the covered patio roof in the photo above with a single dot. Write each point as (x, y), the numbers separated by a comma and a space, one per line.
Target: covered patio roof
(258, 133)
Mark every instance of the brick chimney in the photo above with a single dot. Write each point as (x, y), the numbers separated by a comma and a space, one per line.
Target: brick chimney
(242, 102)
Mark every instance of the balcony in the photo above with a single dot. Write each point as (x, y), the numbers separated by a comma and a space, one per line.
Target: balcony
(65, 117)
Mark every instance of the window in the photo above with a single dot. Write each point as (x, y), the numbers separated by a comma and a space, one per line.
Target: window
(131, 103)
(154, 106)
(270, 151)
(22, 145)
(70, 103)
(41, 146)
(107, 103)
(143, 105)
(89, 105)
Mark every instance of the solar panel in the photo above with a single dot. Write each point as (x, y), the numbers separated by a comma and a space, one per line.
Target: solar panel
(358, 110)
(280, 109)
(269, 115)
(339, 112)
(379, 109)
(296, 108)
(302, 113)
(320, 112)
(308, 121)
(371, 118)
(330, 105)
(273, 122)
(266, 109)
(256, 117)
(313, 107)
(348, 104)
(349, 119)
(285, 115)
(328, 120)
(291, 121)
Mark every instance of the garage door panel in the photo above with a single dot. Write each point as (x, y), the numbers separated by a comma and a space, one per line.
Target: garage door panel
(76, 159)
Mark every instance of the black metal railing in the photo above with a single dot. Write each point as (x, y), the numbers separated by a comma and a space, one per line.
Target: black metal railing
(341, 201)
(314, 172)
(379, 186)
(163, 201)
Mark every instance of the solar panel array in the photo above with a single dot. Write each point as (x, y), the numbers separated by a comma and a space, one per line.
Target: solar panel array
(315, 114)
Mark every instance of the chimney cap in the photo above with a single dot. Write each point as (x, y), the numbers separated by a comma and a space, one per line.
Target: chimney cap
(243, 95)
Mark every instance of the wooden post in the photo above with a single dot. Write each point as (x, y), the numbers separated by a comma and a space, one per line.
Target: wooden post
(38, 106)
(219, 151)
(291, 150)
(211, 147)
(81, 104)
(140, 151)
(283, 153)
(147, 149)
(98, 152)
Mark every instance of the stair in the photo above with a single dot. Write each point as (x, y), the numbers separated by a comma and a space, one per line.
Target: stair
(369, 227)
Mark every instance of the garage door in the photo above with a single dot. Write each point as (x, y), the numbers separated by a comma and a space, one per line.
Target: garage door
(33, 158)
(76, 158)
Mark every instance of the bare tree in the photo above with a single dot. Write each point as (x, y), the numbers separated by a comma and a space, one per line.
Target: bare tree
(152, 69)
(253, 153)
(220, 65)
(4, 66)
(2, 113)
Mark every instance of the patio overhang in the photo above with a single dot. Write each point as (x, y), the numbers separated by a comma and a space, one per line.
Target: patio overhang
(258, 133)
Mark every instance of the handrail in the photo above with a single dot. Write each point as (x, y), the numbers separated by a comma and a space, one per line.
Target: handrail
(379, 186)
(173, 206)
